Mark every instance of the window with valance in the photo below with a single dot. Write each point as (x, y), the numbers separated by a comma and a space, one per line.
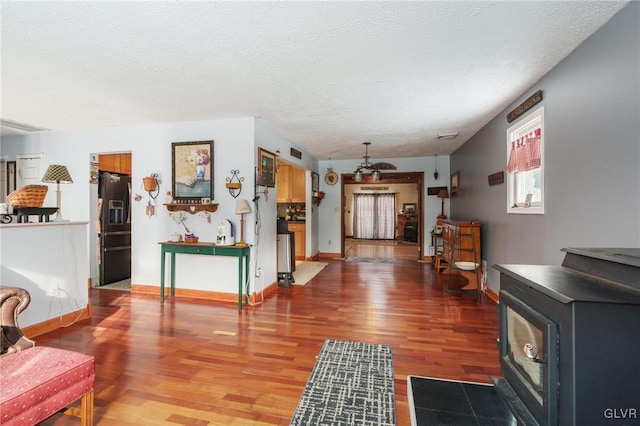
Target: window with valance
(525, 165)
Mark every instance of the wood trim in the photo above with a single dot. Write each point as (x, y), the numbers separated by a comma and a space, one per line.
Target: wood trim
(186, 292)
(57, 322)
(260, 296)
(322, 255)
(314, 258)
(492, 295)
(204, 294)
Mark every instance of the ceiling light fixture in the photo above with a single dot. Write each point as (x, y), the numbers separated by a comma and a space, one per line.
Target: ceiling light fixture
(446, 136)
(376, 176)
(435, 168)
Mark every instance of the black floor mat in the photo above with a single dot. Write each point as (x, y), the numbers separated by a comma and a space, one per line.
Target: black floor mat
(445, 402)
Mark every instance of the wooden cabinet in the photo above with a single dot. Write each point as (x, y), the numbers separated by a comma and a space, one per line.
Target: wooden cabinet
(290, 185)
(300, 232)
(115, 163)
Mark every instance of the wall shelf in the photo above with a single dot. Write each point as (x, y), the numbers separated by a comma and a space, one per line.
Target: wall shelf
(192, 207)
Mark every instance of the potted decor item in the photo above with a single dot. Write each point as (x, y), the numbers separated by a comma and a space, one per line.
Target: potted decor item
(149, 183)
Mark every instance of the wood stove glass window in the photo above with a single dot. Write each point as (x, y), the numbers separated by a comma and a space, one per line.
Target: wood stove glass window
(526, 343)
(529, 355)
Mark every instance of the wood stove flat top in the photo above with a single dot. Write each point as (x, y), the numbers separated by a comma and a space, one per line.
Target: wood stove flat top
(625, 256)
(568, 286)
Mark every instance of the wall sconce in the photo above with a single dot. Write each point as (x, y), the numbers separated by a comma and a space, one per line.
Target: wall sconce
(151, 184)
(234, 183)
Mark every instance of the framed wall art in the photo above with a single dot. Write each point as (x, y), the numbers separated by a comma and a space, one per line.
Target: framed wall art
(315, 182)
(266, 168)
(192, 171)
(455, 184)
(409, 208)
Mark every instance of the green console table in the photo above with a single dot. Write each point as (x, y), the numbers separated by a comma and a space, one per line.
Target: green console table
(211, 249)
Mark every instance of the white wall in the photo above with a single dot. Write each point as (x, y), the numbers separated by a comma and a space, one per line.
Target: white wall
(235, 148)
(40, 256)
(150, 147)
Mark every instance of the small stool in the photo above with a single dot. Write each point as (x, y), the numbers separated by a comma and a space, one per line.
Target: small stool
(40, 381)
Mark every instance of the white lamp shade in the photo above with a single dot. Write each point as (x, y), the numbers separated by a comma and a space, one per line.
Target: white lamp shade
(242, 206)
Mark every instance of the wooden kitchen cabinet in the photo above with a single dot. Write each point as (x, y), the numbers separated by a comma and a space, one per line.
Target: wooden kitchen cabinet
(300, 232)
(115, 163)
(290, 186)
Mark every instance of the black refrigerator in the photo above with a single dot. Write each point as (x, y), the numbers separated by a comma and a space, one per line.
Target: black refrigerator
(114, 210)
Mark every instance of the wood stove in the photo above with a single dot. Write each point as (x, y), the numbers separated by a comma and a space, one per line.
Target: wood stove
(569, 342)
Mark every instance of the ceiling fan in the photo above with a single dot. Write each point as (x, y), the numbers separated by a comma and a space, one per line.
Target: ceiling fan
(376, 176)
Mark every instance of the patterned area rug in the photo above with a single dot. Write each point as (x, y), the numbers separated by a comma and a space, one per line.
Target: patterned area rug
(351, 384)
(371, 259)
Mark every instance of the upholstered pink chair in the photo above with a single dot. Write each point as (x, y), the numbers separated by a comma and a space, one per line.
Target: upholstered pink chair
(37, 382)
(13, 300)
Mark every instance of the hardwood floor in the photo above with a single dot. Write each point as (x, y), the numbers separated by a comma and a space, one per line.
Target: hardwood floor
(194, 362)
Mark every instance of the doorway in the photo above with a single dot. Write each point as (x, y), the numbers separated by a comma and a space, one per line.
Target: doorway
(408, 188)
(110, 204)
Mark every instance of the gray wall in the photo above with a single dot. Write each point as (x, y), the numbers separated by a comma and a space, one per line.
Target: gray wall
(592, 157)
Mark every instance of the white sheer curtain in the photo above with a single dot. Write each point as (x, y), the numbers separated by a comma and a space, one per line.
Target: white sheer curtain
(374, 216)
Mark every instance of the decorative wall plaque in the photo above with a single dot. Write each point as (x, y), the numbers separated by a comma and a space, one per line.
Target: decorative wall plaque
(296, 153)
(496, 178)
(525, 106)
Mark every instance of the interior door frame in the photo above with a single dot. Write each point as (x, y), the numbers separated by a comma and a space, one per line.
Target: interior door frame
(387, 178)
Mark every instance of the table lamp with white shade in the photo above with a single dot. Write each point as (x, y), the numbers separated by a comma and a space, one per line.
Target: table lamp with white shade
(242, 208)
(57, 174)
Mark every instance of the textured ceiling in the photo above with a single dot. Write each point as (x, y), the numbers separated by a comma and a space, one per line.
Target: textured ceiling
(326, 75)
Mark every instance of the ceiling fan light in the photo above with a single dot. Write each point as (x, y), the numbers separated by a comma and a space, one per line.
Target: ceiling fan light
(367, 165)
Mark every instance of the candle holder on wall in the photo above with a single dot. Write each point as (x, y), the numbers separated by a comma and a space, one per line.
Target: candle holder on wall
(234, 183)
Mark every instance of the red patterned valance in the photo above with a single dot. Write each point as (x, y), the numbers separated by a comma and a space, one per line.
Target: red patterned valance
(525, 153)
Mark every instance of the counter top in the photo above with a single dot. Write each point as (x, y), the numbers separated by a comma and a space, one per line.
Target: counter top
(295, 221)
(32, 224)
